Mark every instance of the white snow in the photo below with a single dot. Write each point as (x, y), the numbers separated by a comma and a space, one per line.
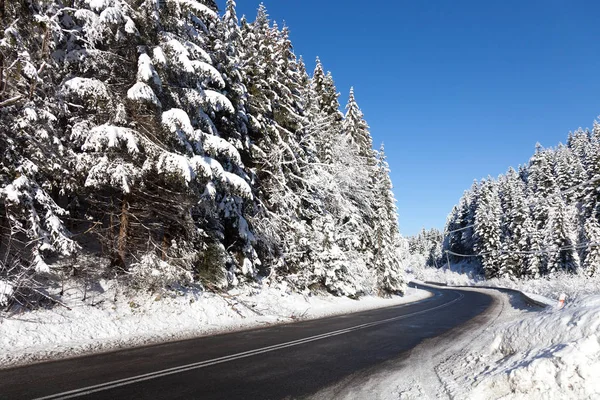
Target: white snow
(130, 26)
(201, 166)
(6, 289)
(552, 355)
(510, 353)
(112, 16)
(12, 192)
(159, 56)
(30, 71)
(86, 88)
(237, 184)
(197, 7)
(215, 146)
(106, 136)
(179, 53)
(146, 71)
(177, 121)
(112, 173)
(218, 102)
(142, 92)
(177, 165)
(98, 5)
(100, 323)
(209, 72)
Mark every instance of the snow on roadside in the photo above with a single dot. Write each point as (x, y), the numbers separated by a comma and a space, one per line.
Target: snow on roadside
(551, 355)
(546, 289)
(108, 319)
(510, 353)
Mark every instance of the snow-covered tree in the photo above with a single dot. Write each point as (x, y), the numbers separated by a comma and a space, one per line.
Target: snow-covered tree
(179, 146)
(548, 211)
(386, 233)
(356, 129)
(487, 228)
(33, 166)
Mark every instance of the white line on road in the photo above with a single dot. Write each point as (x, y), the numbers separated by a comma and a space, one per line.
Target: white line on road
(175, 370)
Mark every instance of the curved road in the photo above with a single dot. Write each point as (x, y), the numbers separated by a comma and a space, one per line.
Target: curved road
(283, 361)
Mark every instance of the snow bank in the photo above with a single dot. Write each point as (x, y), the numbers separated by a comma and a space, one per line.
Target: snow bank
(109, 318)
(552, 355)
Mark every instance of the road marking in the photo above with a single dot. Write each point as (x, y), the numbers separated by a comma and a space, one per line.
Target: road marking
(202, 364)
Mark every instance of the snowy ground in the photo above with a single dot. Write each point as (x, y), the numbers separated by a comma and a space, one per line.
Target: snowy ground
(512, 352)
(108, 319)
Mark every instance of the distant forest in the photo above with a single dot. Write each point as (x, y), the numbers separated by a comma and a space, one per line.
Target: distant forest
(539, 219)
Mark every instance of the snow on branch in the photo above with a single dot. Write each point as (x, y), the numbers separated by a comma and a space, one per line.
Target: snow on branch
(216, 146)
(209, 73)
(146, 72)
(113, 173)
(176, 165)
(218, 102)
(143, 93)
(184, 168)
(86, 89)
(105, 137)
(196, 7)
(178, 122)
(6, 291)
(237, 184)
(43, 225)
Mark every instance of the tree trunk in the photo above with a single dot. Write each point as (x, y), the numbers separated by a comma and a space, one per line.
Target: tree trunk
(2, 13)
(123, 230)
(165, 244)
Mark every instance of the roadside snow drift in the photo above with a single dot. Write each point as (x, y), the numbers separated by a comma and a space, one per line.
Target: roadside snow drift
(551, 355)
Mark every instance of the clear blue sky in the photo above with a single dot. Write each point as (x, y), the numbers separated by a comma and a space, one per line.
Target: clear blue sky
(458, 90)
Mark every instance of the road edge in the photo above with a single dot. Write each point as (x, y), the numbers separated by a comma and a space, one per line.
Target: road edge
(70, 350)
(527, 299)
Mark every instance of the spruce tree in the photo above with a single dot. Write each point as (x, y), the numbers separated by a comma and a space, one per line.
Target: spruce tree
(487, 228)
(386, 232)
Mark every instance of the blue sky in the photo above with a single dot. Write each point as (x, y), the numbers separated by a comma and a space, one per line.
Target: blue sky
(456, 89)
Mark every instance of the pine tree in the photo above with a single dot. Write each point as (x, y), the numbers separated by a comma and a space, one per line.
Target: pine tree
(515, 221)
(487, 228)
(33, 167)
(356, 128)
(386, 231)
(185, 147)
(542, 184)
(561, 236)
(592, 235)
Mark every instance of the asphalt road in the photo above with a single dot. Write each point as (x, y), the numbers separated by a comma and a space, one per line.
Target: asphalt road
(280, 362)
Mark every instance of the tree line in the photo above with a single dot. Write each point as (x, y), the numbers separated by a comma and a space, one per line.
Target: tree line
(162, 143)
(539, 219)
